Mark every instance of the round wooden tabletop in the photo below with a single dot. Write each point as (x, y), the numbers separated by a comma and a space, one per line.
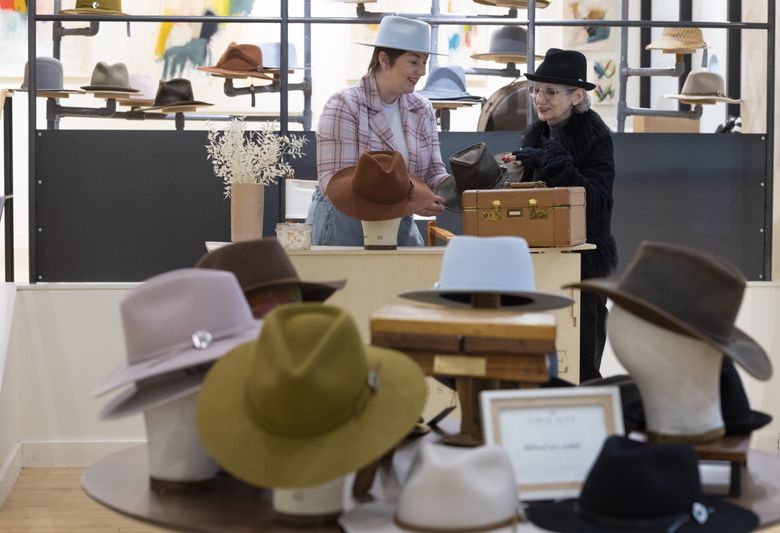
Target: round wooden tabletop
(120, 481)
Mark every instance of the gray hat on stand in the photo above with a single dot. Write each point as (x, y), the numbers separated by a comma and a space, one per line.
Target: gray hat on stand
(447, 83)
(48, 76)
(272, 56)
(110, 78)
(508, 44)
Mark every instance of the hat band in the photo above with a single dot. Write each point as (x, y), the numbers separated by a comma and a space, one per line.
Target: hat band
(294, 428)
(698, 514)
(511, 522)
(200, 340)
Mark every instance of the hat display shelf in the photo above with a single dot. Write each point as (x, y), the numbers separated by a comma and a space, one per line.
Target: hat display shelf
(677, 71)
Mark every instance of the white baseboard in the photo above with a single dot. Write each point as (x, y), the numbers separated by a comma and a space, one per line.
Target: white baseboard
(767, 442)
(9, 472)
(69, 454)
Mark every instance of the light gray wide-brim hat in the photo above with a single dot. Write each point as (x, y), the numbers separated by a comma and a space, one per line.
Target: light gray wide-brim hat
(179, 319)
(110, 78)
(48, 76)
(704, 86)
(488, 265)
(272, 56)
(508, 44)
(154, 392)
(447, 83)
(401, 33)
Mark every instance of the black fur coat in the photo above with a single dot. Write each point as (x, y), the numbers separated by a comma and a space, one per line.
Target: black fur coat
(581, 157)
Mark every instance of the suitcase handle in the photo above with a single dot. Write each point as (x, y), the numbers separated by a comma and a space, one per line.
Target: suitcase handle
(527, 185)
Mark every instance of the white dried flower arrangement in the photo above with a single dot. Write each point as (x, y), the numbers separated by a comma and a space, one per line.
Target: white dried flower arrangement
(258, 157)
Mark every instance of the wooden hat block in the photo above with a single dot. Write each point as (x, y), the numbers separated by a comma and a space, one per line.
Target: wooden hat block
(476, 346)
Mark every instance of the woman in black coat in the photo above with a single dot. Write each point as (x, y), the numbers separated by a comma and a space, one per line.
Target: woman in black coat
(570, 146)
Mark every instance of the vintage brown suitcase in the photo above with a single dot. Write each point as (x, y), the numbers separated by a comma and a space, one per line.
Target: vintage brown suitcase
(545, 217)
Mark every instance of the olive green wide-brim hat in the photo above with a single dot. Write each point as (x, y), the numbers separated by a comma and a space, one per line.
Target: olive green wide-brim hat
(307, 402)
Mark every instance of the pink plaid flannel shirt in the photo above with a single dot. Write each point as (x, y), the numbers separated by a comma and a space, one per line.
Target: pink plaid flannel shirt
(353, 122)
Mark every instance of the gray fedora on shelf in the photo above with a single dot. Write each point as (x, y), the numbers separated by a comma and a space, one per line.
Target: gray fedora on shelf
(508, 44)
(48, 76)
(401, 33)
(447, 83)
(704, 87)
(110, 78)
(689, 292)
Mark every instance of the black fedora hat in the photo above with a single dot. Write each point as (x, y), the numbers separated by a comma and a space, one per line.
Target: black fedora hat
(473, 167)
(564, 67)
(635, 486)
(738, 417)
(689, 292)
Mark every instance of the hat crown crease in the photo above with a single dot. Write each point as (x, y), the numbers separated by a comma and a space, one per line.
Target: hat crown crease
(381, 178)
(680, 282)
(309, 373)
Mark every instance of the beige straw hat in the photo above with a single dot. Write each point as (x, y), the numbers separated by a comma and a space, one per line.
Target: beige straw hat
(678, 41)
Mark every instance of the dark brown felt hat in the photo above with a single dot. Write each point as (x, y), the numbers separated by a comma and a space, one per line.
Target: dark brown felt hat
(689, 292)
(379, 187)
(263, 264)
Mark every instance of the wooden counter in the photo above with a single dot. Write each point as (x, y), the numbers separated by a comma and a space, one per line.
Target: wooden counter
(375, 278)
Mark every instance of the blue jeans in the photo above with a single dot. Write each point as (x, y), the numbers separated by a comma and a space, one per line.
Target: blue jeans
(331, 227)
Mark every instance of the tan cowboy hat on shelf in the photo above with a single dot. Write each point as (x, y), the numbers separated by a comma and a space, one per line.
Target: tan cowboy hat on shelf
(513, 4)
(704, 87)
(678, 41)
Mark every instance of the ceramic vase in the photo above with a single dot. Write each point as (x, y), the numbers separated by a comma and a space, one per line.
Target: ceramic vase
(246, 211)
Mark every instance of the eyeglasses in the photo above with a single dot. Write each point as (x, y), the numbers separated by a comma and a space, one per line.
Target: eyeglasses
(548, 92)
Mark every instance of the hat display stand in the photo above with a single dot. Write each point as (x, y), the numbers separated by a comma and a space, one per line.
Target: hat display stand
(443, 108)
(177, 460)
(479, 347)
(310, 506)
(380, 234)
(666, 367)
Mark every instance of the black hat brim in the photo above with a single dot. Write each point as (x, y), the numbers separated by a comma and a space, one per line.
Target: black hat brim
(562, 517)
(562, 81)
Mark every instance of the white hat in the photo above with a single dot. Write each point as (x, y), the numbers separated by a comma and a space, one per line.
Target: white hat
(449, 489)
(401, 33)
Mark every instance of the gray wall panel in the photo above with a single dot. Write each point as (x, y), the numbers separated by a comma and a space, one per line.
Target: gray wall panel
(125, 205)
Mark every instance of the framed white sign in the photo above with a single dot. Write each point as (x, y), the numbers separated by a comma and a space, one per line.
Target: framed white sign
(552, 435)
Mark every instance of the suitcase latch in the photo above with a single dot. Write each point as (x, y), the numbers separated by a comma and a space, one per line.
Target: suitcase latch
(536, 213)
(494, 213)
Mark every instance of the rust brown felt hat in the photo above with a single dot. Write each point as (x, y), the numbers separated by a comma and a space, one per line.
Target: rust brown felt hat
(240, 60)
(263, 264)
(378, 188)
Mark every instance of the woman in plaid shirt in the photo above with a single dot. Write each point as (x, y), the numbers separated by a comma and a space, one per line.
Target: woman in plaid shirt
(381, 113)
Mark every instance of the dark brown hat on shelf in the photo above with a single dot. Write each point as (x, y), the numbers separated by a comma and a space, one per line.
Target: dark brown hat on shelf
(175, 93)
(263, 264)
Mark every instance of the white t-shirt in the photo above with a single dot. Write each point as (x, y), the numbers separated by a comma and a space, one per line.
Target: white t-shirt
(393, 115)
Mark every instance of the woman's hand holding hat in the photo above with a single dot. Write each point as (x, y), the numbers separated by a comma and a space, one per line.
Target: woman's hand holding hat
(530, 158)
(436, 208)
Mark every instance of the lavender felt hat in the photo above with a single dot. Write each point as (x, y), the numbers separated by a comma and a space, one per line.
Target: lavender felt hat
(180, 319)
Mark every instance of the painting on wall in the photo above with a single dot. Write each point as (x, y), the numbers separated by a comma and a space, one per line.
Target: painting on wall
(182, 46)
(606, 79)
(587, 37)
(76, 54)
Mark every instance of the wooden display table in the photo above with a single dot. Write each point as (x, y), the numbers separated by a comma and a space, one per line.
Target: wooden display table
(120, 482)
